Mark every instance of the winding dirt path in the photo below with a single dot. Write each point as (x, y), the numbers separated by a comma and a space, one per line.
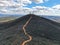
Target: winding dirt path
(30, 37)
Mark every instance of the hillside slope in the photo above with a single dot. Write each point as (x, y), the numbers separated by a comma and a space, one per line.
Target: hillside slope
(43, 31)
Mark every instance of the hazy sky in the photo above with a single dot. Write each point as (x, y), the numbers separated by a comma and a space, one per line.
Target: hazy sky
(39, 7)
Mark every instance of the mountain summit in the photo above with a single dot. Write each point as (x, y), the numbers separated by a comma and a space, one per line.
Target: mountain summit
(38, 28)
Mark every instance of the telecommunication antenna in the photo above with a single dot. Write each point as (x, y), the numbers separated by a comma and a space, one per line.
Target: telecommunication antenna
(31, 12)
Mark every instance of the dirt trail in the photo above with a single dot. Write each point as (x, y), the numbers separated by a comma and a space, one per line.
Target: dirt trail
(30, 37)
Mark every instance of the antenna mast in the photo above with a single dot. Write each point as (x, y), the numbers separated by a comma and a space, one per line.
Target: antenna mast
(31, 12)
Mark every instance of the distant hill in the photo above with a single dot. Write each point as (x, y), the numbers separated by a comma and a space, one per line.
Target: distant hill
(8, 18)
(43, 31)
(54, 18)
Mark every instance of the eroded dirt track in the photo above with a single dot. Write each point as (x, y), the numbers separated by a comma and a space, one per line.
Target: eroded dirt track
(30, 37)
